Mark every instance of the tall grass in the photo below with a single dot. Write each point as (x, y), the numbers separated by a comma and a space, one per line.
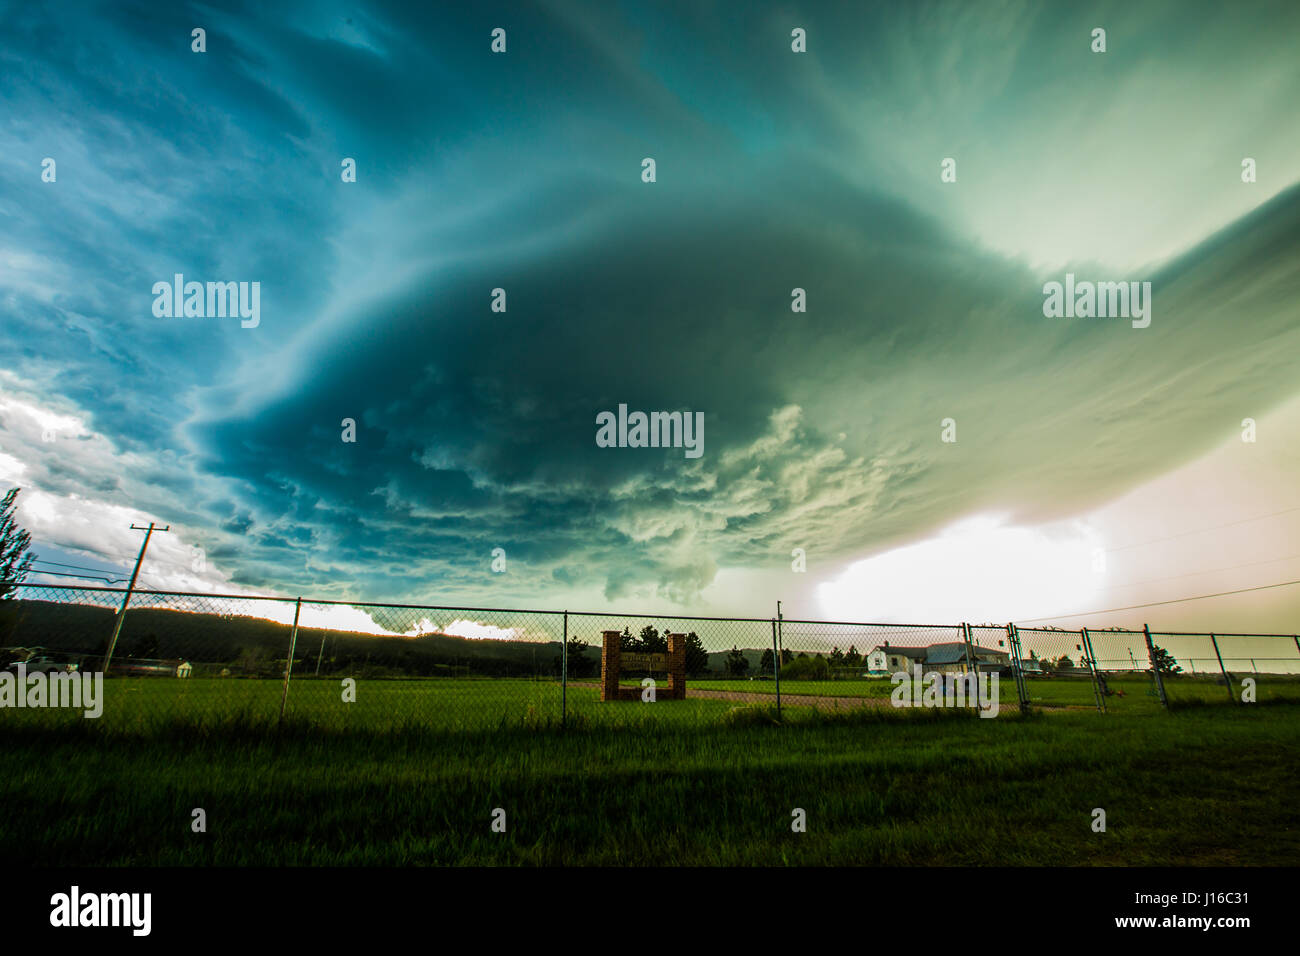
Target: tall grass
(914, 787)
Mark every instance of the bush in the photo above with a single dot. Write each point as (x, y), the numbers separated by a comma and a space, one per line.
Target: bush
(806, 668)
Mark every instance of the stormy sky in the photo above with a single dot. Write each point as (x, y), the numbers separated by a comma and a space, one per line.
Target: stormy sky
(774, 170)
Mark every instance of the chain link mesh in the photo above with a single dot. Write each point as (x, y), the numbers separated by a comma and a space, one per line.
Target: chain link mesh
(214, 658)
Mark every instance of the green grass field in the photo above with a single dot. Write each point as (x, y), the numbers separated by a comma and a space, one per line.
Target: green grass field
(1138, 690)
(694, 782)
(463, 704)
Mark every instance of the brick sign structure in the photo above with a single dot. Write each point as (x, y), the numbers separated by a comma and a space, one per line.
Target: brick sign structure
(613, 660)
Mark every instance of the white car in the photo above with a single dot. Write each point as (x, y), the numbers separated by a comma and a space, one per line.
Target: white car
(42, 665)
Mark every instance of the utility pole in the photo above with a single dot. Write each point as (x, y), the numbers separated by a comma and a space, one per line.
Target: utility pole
(126, 599)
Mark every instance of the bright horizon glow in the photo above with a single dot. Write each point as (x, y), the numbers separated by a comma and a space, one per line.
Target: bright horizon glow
(345, 617)
(977, 570)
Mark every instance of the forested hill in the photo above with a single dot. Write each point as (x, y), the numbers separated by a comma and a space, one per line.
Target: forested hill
(257, 644)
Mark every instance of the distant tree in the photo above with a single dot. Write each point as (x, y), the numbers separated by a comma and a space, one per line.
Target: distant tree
(1064, 663)
(251, 659)
(765, 663)
(737, 663)
(804, 667)
(1165, 662)
(580, 665)
(626, 642)
(837, 657)
(15, 559)
(852, 658)
(652, 642)
(146, 647)
(786, 656)
(697, 658)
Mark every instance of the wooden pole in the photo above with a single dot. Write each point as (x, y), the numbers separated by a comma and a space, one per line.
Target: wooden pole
(121, 614)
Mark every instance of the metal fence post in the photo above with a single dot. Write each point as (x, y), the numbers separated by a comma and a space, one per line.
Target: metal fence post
(780, 636)
(1017, 669)
(971, 667)
(288, 666)
(1227, 681)
(1155, 667)
(1092, 666)
(776, 669)
(564, 675)
(776, 663)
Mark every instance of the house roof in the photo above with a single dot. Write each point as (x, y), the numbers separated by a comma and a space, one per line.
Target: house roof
(945, 653)
(949, 653)
(917, 653)
(954, 652)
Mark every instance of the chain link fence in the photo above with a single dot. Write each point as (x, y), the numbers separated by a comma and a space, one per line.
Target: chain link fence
(214, 659)
(1210, 668)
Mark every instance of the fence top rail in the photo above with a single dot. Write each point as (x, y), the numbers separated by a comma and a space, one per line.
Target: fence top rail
(670, 617)
(933, 627)
(144, 592)
(1289, 637)
(498, 610)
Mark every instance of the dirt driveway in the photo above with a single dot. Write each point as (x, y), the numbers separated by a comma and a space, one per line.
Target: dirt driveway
(839, 704)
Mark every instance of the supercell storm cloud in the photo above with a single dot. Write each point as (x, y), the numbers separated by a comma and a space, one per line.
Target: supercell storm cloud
(460, 252)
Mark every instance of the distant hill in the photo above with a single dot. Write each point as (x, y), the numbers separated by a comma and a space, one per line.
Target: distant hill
(718, 660)
(254, 645)
(249, 645)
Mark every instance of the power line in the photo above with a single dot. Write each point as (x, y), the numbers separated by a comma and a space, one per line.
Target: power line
(1133, 607)
(1192, 574)
(75, 567)
(1139, 544)
(80, 577)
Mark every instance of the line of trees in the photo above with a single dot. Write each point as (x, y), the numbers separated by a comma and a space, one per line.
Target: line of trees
(652, 641)
(15, 559)
(1166, 663)
(812, 666)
